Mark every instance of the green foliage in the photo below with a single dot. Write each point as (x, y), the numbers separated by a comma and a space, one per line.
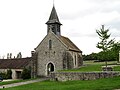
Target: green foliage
(115, 51)
(26, 74)
(110, 49)
(92, 56)
(9, 74)
(105, 44)
(104, 56)
(110, 55)
(3, 75)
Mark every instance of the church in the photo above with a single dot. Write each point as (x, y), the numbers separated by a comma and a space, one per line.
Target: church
(55, 52)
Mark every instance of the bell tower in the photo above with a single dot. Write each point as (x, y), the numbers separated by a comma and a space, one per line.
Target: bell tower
(53, 23)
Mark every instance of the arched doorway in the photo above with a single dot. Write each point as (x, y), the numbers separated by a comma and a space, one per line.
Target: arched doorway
(50, 68)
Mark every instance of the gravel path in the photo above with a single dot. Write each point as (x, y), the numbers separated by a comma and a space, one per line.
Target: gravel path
(22, 83)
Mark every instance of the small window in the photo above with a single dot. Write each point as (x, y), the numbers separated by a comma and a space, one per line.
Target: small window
(50, 44)
(75, 61)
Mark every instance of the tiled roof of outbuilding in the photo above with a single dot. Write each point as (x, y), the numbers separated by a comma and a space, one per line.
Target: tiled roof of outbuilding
(17, 63)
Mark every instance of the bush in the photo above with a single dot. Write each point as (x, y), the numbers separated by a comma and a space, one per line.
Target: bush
(6, 75)
(9, 74)
(3, 75)
(26, 74)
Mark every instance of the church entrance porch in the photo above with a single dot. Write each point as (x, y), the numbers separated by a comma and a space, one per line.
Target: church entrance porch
(50, 68)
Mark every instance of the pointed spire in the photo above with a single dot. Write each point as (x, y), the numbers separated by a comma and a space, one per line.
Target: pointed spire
(53, 23)
(53, 17)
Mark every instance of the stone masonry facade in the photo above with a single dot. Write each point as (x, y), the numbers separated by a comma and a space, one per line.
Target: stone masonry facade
(46, 55)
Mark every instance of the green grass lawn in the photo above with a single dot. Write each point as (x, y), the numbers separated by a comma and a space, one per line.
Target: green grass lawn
(117, 68)
(9, 82)
(14, 81)
(90, 66)
(100, 84)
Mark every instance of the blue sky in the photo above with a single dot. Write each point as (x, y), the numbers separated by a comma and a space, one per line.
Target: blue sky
(22, 23)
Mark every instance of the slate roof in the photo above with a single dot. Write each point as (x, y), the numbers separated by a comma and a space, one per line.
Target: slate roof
(69, 44)
(17, 63)
(53, 17)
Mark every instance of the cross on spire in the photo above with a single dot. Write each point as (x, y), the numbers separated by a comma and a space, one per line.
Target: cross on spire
(53, 2)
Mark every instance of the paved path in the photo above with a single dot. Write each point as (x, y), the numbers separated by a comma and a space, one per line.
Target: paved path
(22, 83)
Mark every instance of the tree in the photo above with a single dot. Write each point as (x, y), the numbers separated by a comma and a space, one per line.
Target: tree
(105, 44)
(92, 56)
(19, 55)
(8, 56)
(115, 51)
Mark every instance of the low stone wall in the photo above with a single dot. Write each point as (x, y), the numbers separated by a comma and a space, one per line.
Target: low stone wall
(65, 76)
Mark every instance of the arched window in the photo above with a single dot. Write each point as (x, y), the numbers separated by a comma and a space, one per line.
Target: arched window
(50, 44)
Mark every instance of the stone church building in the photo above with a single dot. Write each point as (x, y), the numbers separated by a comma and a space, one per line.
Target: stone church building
(55, 52)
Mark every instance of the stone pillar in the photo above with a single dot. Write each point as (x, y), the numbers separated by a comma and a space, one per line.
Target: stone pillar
(33, 64)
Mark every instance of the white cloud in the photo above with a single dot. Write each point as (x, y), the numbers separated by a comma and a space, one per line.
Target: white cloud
(22, 23)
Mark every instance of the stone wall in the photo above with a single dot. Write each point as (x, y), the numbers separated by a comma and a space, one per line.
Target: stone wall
(66, 76)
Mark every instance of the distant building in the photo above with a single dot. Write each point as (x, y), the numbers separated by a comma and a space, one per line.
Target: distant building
(55, 52)
(16, 65)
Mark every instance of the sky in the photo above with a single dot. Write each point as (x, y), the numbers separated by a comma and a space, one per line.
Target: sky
(22, 23)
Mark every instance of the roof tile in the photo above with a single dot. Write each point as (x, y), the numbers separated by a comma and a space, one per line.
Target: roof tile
(69, 43)
(17, 63)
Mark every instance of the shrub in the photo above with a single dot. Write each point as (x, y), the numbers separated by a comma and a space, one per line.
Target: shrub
(3, 75)
(26, 74)
(6, 75)
(9, 74)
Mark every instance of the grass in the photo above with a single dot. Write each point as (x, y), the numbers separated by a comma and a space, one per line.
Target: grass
(9, 82)
(14, 81)
(117, 68)
(90, 66)
(100, 84)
